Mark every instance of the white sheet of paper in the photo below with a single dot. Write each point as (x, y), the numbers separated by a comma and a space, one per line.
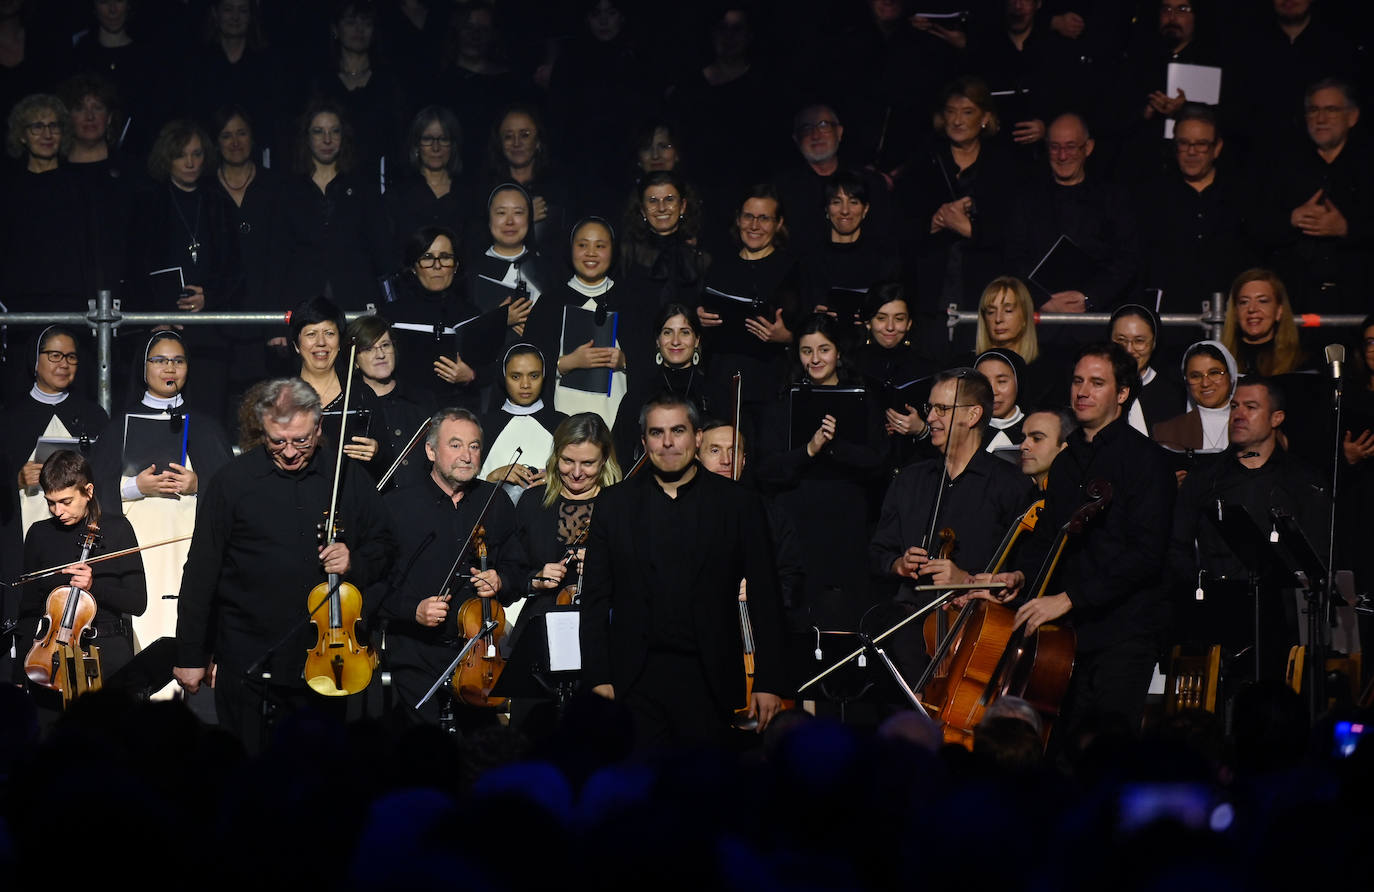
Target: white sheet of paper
(1200, 83)
(565, 651)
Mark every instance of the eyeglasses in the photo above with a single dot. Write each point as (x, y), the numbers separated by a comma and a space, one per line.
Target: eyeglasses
(37, 127)
(1140, 343)
(1169, 11)
(275, 444)
(381, 347)
(1312, 111)
(56, 356)
(941, 409)
(1067, 148)
(1210, 375)
(431, 141)
(763, 219)
(667, 201)
(826, 127)
(1194, 145)
(177, 361)
(430, 261)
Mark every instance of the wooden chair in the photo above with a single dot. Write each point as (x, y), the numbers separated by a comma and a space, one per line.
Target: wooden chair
(1192, 680)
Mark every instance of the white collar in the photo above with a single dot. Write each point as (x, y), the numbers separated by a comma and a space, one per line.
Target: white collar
(162, 403)
(1147, 376)
(47, 399)
(512, 409)
(581, 287)
(491, 252)
(1002, 424)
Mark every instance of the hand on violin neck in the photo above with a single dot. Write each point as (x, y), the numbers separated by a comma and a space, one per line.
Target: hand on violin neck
(80, 574)
(551, 576)
(335, 558)
(485, 582)
(911, 562)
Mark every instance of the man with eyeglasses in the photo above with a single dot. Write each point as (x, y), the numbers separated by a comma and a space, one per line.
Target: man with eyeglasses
(966, 488)
(817, 132)
(1193, 218)
(255, 557)
(1317, 209)
(1257, 474)
(1095, 215)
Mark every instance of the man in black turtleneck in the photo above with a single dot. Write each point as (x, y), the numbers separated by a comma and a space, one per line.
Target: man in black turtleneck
(660, 612)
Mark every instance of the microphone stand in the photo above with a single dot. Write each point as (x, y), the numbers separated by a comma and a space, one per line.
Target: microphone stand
(1324, 602)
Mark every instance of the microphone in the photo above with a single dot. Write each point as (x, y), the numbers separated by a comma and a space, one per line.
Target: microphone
(1335, 357)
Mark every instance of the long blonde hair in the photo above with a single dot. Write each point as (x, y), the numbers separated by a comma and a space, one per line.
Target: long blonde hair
(1287, 354)
(1028, 345)
(585, 427)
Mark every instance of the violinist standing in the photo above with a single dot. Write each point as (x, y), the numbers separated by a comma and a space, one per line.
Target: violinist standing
(660, 602)
(433, 519)
(118, 586)
(983, 496)
(255, 556)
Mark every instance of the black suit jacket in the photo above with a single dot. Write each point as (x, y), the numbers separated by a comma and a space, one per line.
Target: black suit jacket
(616, 592)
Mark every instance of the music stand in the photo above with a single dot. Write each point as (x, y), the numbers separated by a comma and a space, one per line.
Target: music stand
(149, 671)
(1252, 548)
(527, 675)
(1295, 551)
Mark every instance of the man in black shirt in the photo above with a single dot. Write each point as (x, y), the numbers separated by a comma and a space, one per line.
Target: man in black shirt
(1110, 580)
(660, 612)
(982, 497)
(255, 557)
(433, 519)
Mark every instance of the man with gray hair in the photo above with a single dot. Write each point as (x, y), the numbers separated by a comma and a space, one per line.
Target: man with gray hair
(256, 555)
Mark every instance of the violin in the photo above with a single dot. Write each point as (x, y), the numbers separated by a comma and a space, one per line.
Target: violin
(338, 664)
(59, 658)
(479, 671)
(572, 594)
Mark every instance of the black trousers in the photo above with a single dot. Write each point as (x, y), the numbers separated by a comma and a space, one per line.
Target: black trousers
(249, 709)
(671, 703)
(1108, 684)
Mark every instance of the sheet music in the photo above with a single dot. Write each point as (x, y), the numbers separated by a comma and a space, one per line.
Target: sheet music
(562, 628)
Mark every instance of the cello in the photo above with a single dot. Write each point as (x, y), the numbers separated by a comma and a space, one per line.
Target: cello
(997, 658)
(58, 658)
(479, 671)
(338, 665)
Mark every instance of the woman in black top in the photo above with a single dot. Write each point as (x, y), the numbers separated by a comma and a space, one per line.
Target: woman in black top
(117, 585)
(509, 272)
(659, 254)
(429, 192)
(360, 83)
(316, 331)
(518, 152)
(899, 371)
(398, 408)
(837, 276)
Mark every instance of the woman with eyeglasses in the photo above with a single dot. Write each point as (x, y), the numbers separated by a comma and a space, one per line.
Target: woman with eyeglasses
(431, 191)
(828, 465)
(518, 152)
(150, 462)
(53, 407)
(658, 251)
(763, 278)
(1136, 328)
(1210, 373)
(398, 407)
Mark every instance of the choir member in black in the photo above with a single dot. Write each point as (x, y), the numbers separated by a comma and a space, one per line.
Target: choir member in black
(658, 252)
(763, 270)
(891, 365)
(161, 503)
(518, 152)
(960, 192)
(660, 613)
(255, 193)
(43, 233)
(53, 407)
(101, 170)
(116, 585)
(184, 222)
(361, 84)
(830, 468)
(1161, 395)
(430, 193)
(1111, 579)
(509, 272)
(256, 556)
(232, 66)
(427, 299)
(1007, 321)
(681, 370)
(316, 327)
(1259, 330)
(1211, 375)
(591, 288)
(130, 60)
(556, 518)
(855, 254)
(975, 494)
(1258, 475)
(1355, 484)
(398, 410)
(334, 230)
(1004, 370)
(433, 519)
(523, 421)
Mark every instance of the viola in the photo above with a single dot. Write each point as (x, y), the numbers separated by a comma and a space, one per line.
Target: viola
(339, 664)
(479, 671)
(572, 594)
(61, 657)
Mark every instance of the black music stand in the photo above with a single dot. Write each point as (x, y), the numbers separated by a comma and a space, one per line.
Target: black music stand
(1252, 548)
(1296, 553)
(527, 675)
(149, 671)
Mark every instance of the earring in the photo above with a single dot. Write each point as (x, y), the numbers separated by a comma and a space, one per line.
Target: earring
(696, 356)
(658, 357)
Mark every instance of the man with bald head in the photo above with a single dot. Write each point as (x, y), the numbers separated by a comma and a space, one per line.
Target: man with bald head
(1073, 201)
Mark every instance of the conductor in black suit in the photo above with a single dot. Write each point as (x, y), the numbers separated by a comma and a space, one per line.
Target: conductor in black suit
(660, 604)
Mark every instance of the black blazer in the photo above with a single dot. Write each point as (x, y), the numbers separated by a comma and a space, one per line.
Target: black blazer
(615, 621)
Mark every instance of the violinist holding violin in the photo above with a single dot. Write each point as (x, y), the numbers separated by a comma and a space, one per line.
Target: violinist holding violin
(118, 586)
(256, 555)
(433, 519)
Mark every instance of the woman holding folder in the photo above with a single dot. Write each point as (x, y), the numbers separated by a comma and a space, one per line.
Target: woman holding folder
(149, 463)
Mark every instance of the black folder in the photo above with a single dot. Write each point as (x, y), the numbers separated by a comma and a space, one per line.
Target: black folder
(808, 404)
(579, 327)
(731, 336)
(165, 288)
(359, 422)
(1065, 267)
(908, 393)
(156, 440)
